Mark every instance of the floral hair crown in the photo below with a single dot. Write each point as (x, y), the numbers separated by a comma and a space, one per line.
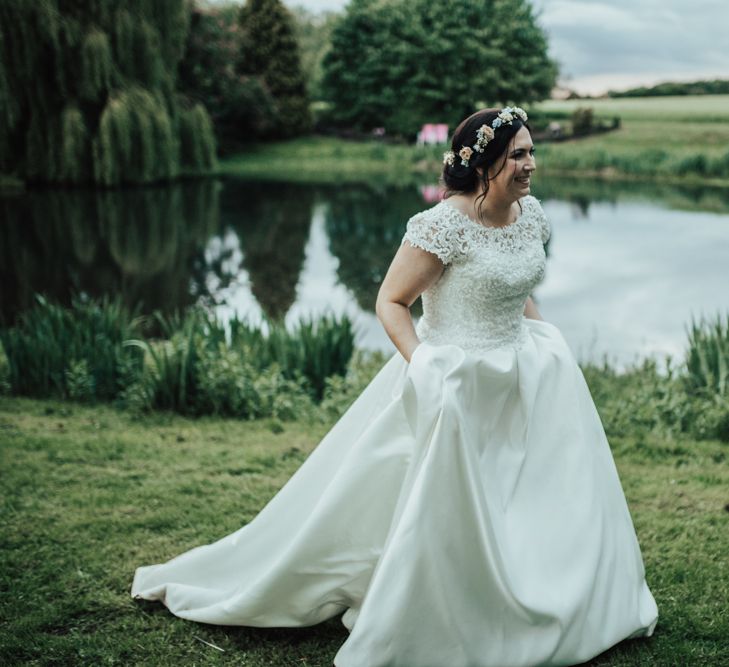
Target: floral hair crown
(484, 134)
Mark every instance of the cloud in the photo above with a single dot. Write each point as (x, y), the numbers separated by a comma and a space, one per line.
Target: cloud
(614, 43)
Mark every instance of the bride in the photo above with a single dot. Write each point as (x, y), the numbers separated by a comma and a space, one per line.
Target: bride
(466, 510)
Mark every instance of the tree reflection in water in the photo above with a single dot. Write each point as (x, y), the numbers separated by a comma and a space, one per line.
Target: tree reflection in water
(143, 244)
(272, 222)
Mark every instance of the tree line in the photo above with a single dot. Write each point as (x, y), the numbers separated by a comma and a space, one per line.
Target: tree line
(710, 87)
(109, 93)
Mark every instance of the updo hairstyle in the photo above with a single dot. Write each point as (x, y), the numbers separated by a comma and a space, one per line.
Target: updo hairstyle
(458, 179)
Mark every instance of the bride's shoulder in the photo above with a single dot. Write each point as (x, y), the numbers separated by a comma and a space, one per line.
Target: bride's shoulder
(432, 229)
(532, 207)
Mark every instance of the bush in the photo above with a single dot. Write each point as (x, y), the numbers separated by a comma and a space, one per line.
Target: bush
(692, 399)
(342, 390)
(202, 366)
(582, 120)
(696, 164)
(52, 347)
(707, 358)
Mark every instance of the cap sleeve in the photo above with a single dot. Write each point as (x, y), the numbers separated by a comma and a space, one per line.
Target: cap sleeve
(541, 218)
(433, 233)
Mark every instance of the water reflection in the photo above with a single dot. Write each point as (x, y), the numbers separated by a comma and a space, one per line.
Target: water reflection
(144, 244)
(365, 227)
(629, 263)
(272, 222)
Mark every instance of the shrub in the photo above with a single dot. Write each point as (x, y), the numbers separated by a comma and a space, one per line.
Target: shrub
(707, 357)
(342, 390)
(202, 366)
(51, 345)
(582, 120)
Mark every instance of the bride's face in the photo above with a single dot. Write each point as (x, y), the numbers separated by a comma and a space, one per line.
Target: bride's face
(515, 168)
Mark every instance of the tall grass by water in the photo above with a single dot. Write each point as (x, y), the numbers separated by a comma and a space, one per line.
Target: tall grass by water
(193, 364)
(71, 352)
(197, 365)
(707, 359)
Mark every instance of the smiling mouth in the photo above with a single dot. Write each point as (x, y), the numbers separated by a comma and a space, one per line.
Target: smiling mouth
(523, 180)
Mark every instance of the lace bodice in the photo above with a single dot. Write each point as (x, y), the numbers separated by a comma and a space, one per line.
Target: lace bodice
(478, 301)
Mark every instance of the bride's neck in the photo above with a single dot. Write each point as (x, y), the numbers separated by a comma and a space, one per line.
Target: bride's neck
(491, 210)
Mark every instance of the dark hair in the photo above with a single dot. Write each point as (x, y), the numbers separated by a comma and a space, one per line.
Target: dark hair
(457, 178)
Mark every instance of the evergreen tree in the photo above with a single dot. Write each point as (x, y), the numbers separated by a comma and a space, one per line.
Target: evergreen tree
(240, 106)
(314, 33)
(270, 51)
(401, 63)
(87, 93)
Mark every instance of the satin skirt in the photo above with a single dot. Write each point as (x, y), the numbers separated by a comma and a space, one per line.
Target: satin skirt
(464, 512)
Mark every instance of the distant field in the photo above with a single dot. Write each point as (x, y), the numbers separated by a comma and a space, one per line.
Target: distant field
(683, 139)
(693, 108)
(668, 139)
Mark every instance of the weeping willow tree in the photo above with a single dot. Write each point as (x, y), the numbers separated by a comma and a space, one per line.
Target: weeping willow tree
(87, 93)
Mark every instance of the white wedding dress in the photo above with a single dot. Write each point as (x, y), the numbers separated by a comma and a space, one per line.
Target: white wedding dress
(464, 512)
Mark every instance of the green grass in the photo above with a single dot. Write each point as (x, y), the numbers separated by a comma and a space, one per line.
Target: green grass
(90, 493)
(317, 159)
(691, 109)
(660, 139)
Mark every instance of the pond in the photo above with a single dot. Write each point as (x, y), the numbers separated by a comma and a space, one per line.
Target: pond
(628, 265)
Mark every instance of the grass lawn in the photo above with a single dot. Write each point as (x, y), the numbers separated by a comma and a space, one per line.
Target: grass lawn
(89, 493)
(660, 139)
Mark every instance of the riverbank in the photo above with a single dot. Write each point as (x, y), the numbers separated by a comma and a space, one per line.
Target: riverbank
(659, 140)
(90, 493)
(615, 156)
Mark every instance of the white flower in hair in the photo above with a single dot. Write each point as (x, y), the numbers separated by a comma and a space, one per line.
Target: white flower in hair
(484, 134)
(465, 154)
(506, 116)
(449, 158)
(521, 113)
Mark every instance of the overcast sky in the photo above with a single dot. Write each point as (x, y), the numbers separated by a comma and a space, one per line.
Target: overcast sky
(603, 44)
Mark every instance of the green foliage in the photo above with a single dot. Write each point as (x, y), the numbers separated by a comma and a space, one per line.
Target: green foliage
(400, 63)
(269, 50)
(91, 93)
(5, 387)
(313, 32)
(241, 107)
(342, 390)
(52, 348)
(582, 120)
(96, 66)
(196, 364)
(203, 366)
(79, 381)
(75, 149)
(197, 138)
(692, 399)
(707, 358)
(708, 87)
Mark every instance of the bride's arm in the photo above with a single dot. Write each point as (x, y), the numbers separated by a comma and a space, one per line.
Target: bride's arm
(530, 310)
(411, 272)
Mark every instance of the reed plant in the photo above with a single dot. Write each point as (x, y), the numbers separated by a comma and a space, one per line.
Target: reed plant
(202, 365)
(690, 398)
(707, 357)
(195, 363)
(169, 377)
(74, 352)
